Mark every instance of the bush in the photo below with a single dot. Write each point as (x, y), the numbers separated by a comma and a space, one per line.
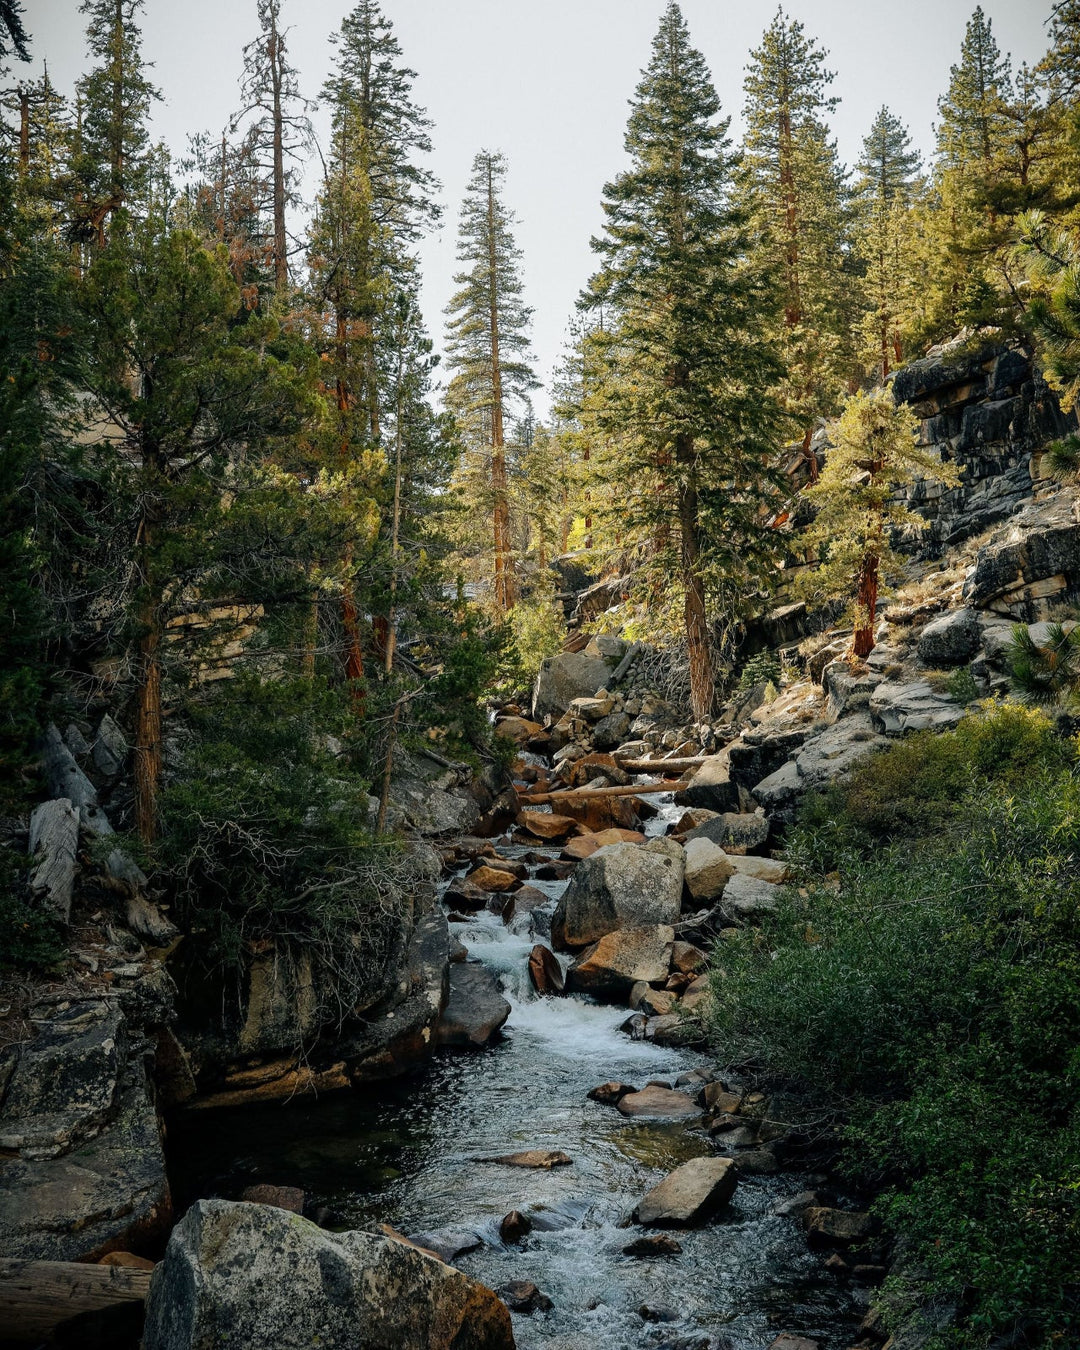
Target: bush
(32, 941)
(266, 838)
(764, 668)
(539, 628)
(935, 1000)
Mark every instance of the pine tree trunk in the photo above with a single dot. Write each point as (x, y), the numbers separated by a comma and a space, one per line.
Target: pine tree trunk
(702, 676)
(504, 587)
(866, 606)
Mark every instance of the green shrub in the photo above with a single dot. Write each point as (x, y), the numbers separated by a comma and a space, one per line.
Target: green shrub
(961, 685)
(539, 628)
(934, 999)
(32, 941)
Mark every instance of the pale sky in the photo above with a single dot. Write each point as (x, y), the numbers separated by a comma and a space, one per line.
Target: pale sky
(547, 82)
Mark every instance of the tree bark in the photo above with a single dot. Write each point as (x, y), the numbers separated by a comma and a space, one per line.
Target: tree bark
(866, 606)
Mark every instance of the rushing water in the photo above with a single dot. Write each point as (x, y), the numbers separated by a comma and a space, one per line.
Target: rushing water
(412, 1155)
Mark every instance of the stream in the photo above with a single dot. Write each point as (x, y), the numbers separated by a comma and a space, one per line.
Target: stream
(410, 1154)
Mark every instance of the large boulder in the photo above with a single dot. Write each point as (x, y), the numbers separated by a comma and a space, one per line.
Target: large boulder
(711, 786)
(1038, 559)
(620, 886)
(258, 1277)
(611, 731)
(612, 966)
(658, 1103)
(733, 830)
(565, 677)
(821, 760)
(748, 899)
(708, 869)
(691, 1194)
(430, 797)
(897, 708)
(951, 639)
(476, 1010)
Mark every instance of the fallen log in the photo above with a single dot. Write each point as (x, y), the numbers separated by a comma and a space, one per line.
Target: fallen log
(594, 794)
(68, 1303)
(662, 765)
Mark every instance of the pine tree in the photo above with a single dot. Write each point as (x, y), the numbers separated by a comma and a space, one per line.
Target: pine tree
(794, 186)
(973, 122)
(488, 346)
(13, 34)
(279, 130)
(687, 391)
(873, 451)
(884, 189)
(111, 163)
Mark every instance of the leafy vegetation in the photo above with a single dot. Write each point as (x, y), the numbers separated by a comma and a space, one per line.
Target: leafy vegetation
(931, 992)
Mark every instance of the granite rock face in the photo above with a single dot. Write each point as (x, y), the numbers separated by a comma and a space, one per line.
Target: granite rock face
(621, 886)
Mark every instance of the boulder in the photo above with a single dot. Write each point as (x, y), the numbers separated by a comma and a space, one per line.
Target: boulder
(475, 1011)
(110, 748)
(223, 1281)
(445, 1244)
(655, 1002)
(597, 765)
(674, 1030)
(686, 958)
(732, 830)
(547, 825)
(611, 731)
(746, 899)
(465, 897)
(565, 677)
(602, 813)
(430, 798)
(523, 901)
(691, 1194)
(897, 708)
(762, 869)
(612, 966)
(517, 729)
(1039, 557)
(492, 879)
(708, 868)
(544, 971)
(822, 759)
(658, 1103)
(620, 886)
(951, 640)
(827, 1228)
(711, 787)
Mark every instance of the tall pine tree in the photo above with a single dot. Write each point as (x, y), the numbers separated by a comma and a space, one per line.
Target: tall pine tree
(488, 347)
(690, 365)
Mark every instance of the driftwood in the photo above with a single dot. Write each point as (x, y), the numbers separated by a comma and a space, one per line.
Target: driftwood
(69, 1303)
(54, 841)
(596, 794)
(662, 765)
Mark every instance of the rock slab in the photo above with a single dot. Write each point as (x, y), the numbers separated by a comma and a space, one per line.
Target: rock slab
(264, 1279)
(691, 1194)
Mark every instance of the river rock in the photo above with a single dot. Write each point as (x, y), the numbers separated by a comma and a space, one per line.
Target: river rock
(787, 1340)
(597, 765)
(674, 1030)
(522, 1296)
(465, 896)
(492, 879)
(609, 1094)
(619, 960)
(610, 731)
(517, 729)
(746, 899)
(826, 1228)
(659, 1244)
(223, 1282)
(711, 786)
(547, 825)
(732, 830)
(620, 886)
(717, 1097)
(687, 958)
(545, 1158)
(514, 1226)
(475, 1011)
(544, 971)
(658, 1103)
(688, 1196)
(708, 869)
(565, 677)
(447, 1244)
(695, 993)
(772, 870)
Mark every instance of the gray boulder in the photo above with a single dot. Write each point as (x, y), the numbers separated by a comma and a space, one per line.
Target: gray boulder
(733, 829)
(1038, 559)
(691, 1194)
(708, 869)
(476, 1010)
(747, 899)
(899, 708)
(711, 786)
(610, 732)
(264, 1279)
(565, 677)
(620, 886)
(430, 798)
(951, 639)
(110, 748)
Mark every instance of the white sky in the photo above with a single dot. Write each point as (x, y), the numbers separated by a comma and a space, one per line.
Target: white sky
(547, 82)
